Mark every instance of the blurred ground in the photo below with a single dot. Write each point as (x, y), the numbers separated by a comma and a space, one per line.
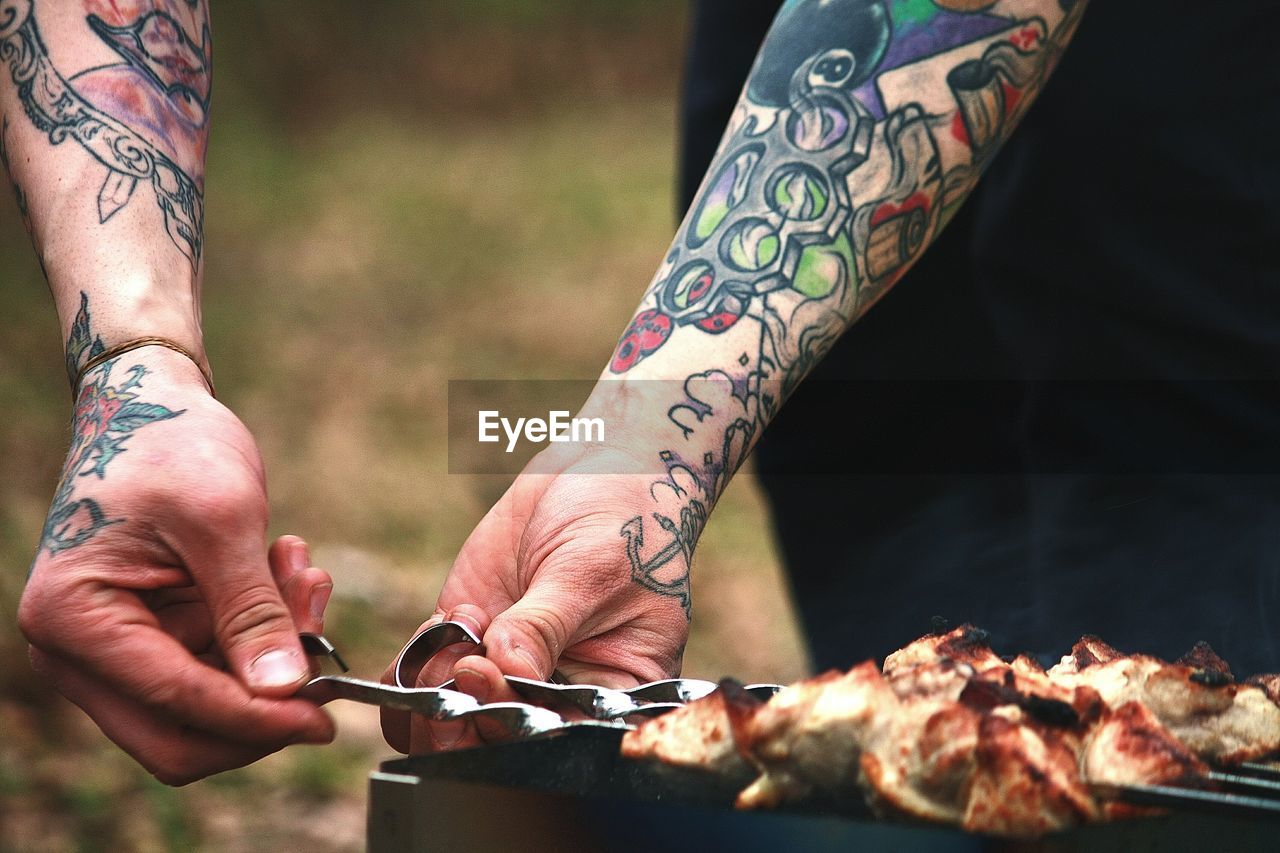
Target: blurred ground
(398, 196)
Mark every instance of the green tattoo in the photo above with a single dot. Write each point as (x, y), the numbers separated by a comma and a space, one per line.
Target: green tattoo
(106, 416)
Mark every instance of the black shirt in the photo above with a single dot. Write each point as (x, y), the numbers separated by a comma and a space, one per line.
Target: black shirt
(1065, 419)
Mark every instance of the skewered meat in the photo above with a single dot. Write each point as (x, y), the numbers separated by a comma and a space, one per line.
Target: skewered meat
(811, 735)
(1027, 781)
(1218, 719)
(699, 735)
(1128, 746)
(950, 732)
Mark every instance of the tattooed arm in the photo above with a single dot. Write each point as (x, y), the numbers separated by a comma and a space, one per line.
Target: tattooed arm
(151, 602)
(863, 126)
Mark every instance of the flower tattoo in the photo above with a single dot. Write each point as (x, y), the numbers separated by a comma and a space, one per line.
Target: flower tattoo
(106, 416)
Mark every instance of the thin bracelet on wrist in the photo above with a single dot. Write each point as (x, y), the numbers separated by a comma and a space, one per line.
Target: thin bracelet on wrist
(138, 343)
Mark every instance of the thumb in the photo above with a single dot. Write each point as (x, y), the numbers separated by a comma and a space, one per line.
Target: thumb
(251, 623)
(528, 638)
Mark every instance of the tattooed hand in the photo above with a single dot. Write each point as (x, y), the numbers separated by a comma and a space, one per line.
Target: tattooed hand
(548, 579)
(152, 604)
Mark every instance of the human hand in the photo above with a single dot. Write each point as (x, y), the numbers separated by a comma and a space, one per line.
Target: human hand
(567, 572)
(152, 603)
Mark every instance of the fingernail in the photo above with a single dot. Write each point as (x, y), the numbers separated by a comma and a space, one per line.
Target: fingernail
(475, 684)
(447, 735)
(473, 624)
(320, 600)
(277, 668)
(299, 557)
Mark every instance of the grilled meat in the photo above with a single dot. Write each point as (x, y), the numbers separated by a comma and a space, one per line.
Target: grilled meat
(950, 732)
(811, 735)
(1129, 746)
(1027, 780)
(1221, 721)
(699, 736)
(1270, 684)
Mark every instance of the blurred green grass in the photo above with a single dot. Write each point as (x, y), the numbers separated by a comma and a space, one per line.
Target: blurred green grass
(398, 194)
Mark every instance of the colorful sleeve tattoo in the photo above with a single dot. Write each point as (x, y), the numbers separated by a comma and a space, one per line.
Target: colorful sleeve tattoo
(143, 117)
(863, 126)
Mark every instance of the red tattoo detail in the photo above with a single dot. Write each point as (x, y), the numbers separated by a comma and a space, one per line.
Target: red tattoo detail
(1011, 97)
(718, 322)
(918, 200)
(1025, 39)
(647, 332)
(699, 288)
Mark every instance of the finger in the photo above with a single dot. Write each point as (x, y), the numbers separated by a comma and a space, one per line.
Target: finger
(528, 638)
(306, 591)
(428, 736)
(481, 678)
(173, 753)
(125, 646)
(439, 669)
(307, 595)
(305, 588)
(253, 627)
(603, 676)
(397, 726)
(289, 555)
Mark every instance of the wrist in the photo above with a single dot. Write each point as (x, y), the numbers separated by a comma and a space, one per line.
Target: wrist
(164, 367)
(704, 422)
(97, 322)
(679, 442)
(133, 309)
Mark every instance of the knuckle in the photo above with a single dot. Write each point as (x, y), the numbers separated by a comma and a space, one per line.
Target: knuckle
(174, 767)
(30, 622)
(546, 625)
(41, 611)
(235, 501)
(172, 774)
(159, 691)
(173, 778)
(212, 481)
(252, 615)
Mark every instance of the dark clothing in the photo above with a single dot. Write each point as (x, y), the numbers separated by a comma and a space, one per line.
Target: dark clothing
(1065, 419)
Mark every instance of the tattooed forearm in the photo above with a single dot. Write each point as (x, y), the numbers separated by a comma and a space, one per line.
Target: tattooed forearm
(106, 414)
(144, 119)
(863, 126)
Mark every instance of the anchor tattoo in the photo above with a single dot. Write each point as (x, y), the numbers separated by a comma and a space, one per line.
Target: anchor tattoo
(684, 537)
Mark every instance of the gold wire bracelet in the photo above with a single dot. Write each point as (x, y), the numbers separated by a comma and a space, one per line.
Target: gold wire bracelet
(137, 343)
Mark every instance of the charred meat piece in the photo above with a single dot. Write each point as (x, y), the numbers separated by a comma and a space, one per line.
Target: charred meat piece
(811, 735)
(700, 735)
(966, 644)
(923, 767)
(1027, 781)
(1129, 746)
(1088, 651)
(1204, 658)
(1269, 684)
(1221, 722)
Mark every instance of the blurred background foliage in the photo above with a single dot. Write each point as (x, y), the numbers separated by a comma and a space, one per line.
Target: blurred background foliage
(399, 194)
